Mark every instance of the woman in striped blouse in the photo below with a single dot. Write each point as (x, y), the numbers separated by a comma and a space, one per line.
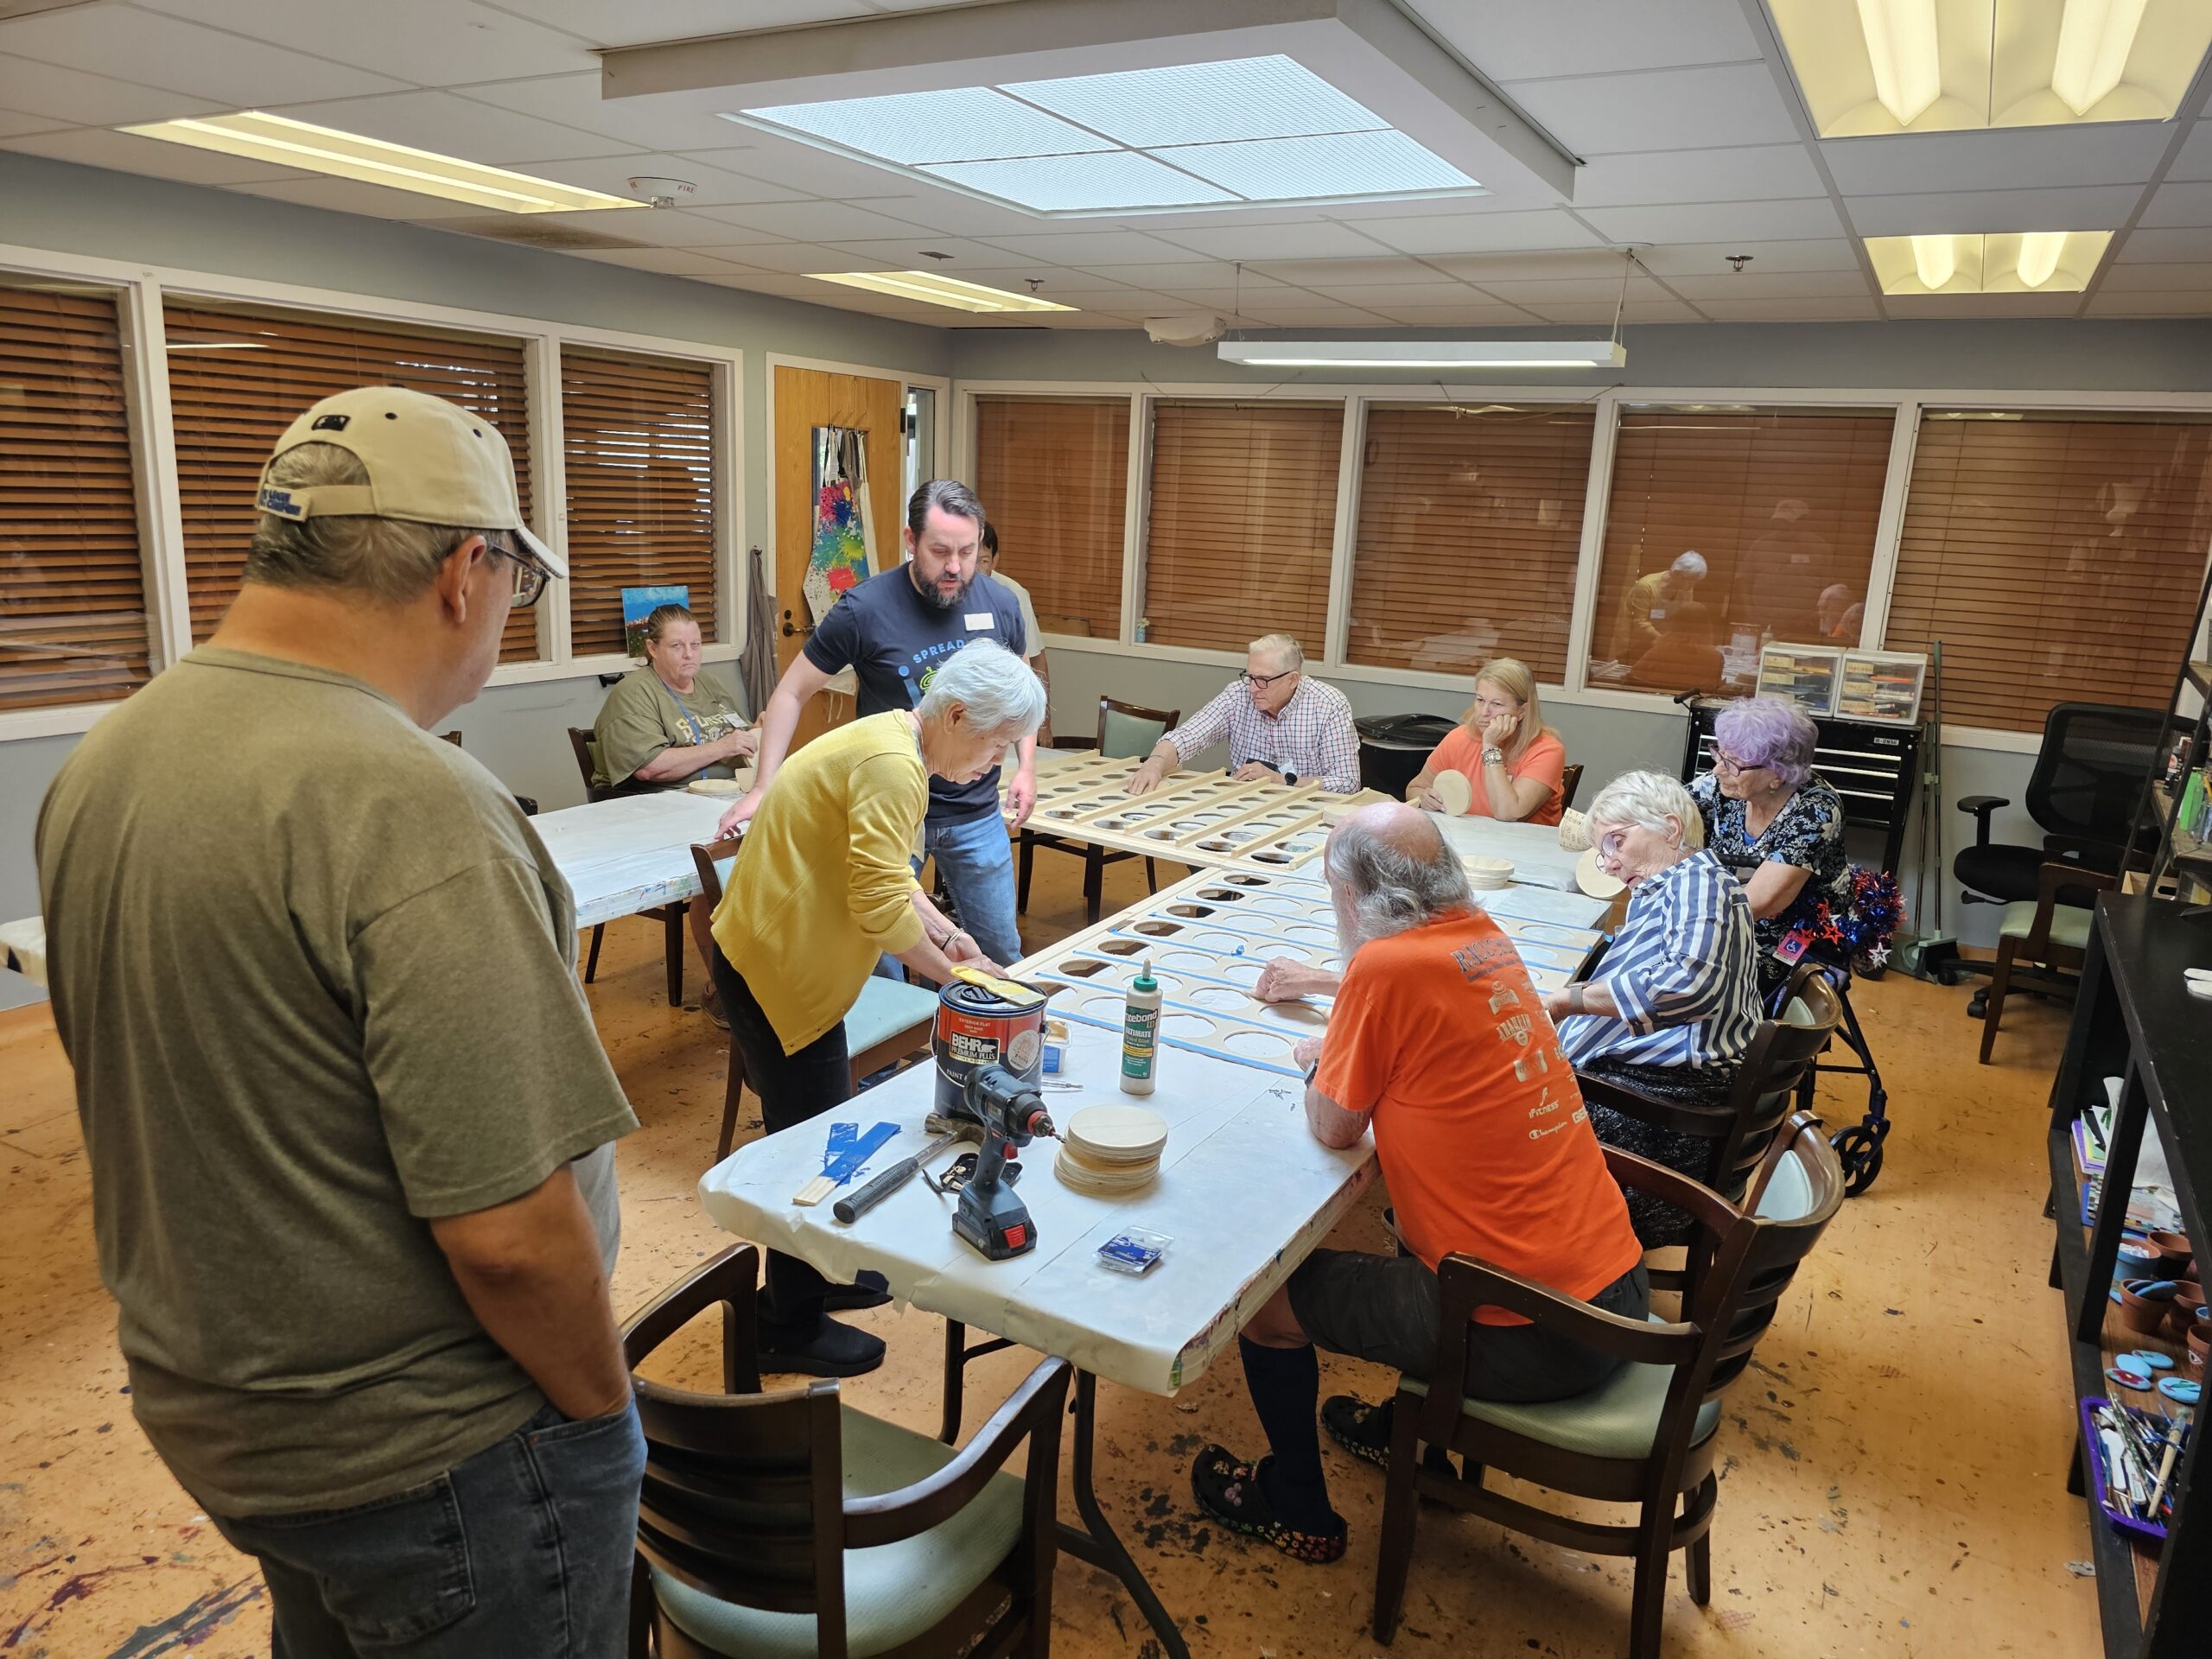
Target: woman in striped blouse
(1675, 1001)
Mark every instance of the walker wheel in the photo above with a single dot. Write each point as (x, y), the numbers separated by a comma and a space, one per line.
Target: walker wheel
(1859, 1150)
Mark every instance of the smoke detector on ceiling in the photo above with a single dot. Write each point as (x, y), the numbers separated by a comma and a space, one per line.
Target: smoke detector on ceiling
(1191, 329)
(662, 193)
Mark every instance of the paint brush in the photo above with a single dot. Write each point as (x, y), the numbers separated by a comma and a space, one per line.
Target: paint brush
(2166, 1465)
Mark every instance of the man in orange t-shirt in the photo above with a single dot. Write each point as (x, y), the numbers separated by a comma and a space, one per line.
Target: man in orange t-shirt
(1439, 1039)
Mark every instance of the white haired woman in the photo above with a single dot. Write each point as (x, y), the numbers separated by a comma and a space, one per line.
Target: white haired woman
(1779, 826)
(1675, 1001)
(1504, 749)
(823, 889)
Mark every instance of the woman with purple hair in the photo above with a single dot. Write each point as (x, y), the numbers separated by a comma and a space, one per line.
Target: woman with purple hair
(1779, 826)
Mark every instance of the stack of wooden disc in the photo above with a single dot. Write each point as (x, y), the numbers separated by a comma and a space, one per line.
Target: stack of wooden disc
(1110, 1151)
(1486, 874)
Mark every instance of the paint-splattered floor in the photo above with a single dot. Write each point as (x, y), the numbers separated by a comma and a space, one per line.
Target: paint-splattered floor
(1894, 1475)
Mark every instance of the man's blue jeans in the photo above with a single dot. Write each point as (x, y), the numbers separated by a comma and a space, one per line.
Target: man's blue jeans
(521, 1552)
(976, 861)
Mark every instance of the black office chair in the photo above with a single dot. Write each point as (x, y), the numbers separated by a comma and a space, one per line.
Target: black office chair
(2083, 793)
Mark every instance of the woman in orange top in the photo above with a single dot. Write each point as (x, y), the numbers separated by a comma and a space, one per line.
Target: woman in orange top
(1504, 749)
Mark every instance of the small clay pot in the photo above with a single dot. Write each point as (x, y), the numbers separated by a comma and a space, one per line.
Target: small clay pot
(2138, 1261)
(2189, 1300)
(2199, 1341)
(2145, 1303)
(2175, 1249)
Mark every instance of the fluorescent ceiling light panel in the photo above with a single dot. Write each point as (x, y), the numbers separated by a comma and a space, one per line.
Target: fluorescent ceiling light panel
(930, 289)
(1202, 103)
(1201, 135)
(2036, 262)
(309, 149)
(1878, 66)
(1425, 353)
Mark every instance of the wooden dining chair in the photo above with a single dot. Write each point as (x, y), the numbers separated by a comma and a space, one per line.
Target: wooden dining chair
(888, 1022)
(791, 1524)
(1570, 784)
(2041, 944)
(1648, 1435)
(1126, 731)
(670, 917)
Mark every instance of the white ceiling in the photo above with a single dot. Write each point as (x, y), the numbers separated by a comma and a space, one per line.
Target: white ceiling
(1694, 142)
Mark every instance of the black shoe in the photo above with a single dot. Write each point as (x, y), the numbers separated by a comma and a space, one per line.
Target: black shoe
(868, 1289)
(1234, 1494)
(834, 1350)
(1361, 1430)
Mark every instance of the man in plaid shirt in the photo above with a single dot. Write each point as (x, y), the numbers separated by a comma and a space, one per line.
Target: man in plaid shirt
(1281, 727)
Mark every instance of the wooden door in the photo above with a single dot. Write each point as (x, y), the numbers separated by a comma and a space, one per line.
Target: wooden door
(806, 398)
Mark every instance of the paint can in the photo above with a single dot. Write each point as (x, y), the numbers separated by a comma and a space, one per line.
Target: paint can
(976, 1027)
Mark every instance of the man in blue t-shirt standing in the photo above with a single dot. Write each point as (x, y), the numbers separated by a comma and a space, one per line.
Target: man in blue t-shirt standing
(892, 631)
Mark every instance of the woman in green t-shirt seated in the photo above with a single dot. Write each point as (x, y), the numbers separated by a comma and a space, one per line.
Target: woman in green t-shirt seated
(668, 722)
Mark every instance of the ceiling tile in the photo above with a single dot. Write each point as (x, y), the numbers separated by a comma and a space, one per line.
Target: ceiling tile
(1250, 242)
(1704, 258)
(1717, 221)
(815, 221)
(70, 98)
(1802, 310)
(1309, 273)
(1585, 314)
(428, 43)
(1671, 109)
(1951, 306)
(350, 196)
(1919, 163)
(792, 259)
(669, 261)
(1513, 40)
(2155, 279)
(2179, 203)
(625, 23)
(2195, 161)
(1397, 296)
(166, 52)
(1474, 312)
(950, 212)
(1763, 172)
(1756, 284)
(2192, 302)
(712, 185)
(667, 227)
(2147, 247)
(1061, 282)
(2081, 207)
(1591, 262)
(573, 100)
(1480, 233)
(1086, 249)
(13, 124)
(1588, 290)
(1311, 315)
(1488, 201)
(1175, 277)
(764, 155)
(124, 152)
(455, 125)
(908, 253)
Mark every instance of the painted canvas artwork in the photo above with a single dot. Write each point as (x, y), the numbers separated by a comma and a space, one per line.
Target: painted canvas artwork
(843, 551)
(638, 604)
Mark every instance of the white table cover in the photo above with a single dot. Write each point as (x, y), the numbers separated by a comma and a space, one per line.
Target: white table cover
(1538, 859)
(1245, 1191)
(22, 947)
(631, 853)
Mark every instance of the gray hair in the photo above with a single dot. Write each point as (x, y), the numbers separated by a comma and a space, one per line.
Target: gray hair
(1771, 732)
(390, 559)
(1390, 888)
(946, 495)
(1649, 799)
(996, 688)
(1279, 648)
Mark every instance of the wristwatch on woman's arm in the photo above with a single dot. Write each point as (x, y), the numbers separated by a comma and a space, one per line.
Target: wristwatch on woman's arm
(1493, 756)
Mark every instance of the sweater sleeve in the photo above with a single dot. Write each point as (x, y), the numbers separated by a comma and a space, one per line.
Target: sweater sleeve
(883, 813)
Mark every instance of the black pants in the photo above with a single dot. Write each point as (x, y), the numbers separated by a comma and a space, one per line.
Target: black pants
(792, 1088)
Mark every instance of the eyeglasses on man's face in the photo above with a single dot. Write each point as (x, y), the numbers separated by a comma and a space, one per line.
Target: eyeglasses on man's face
(531, 576)
(1260, 682)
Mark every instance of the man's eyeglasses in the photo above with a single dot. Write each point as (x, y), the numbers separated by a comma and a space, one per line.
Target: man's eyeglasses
(531, 576)
(1255, 681)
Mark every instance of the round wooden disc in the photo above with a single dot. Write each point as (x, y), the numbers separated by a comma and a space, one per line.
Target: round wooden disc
(1116, 1134)
(1455, 790)
(1486, 871)
(1080, 1177)
(1593, 881)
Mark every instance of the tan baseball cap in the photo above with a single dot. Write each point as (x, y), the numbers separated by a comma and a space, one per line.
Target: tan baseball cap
(429, 462)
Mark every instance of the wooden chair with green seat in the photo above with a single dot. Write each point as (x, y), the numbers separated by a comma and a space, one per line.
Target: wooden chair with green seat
(670, 917)
(1570, 784)
(889, 1021)
(1125, 732)
(2038, 940)
(1646, 1436)
(773, 1526)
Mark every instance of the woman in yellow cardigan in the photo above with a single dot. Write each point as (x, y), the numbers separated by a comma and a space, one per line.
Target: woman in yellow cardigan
(824, 888)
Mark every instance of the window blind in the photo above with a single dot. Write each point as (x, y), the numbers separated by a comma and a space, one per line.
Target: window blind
(1781, 504)
(1470, 529)
(1054, 474)
(238, 378)
(1243, 516)
(2058, 557)
(637, 434)
(73, 608)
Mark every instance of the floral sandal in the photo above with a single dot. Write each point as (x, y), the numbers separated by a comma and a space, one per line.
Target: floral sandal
(1361, 1430)
(1230, 1491)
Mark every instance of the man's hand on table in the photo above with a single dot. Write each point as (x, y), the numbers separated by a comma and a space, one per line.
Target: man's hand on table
(1256, 771)
(1308, 1049)
(1286, 980)
(1020, 798)
(1149, 776)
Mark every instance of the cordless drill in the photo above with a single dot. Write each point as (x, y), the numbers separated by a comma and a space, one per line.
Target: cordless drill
(990, 1217)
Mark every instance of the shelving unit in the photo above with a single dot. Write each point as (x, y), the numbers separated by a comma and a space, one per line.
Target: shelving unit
(2134, 1020)
(2181, 857)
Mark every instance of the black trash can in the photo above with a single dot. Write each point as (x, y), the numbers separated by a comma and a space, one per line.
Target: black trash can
(1393, 748)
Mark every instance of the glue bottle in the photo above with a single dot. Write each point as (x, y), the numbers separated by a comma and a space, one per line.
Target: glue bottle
(1141, 1033)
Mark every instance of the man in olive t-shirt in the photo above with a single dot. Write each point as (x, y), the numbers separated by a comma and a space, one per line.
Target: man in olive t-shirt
(348, 1120)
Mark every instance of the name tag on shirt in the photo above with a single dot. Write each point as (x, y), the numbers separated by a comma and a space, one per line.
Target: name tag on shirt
(979, 620)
